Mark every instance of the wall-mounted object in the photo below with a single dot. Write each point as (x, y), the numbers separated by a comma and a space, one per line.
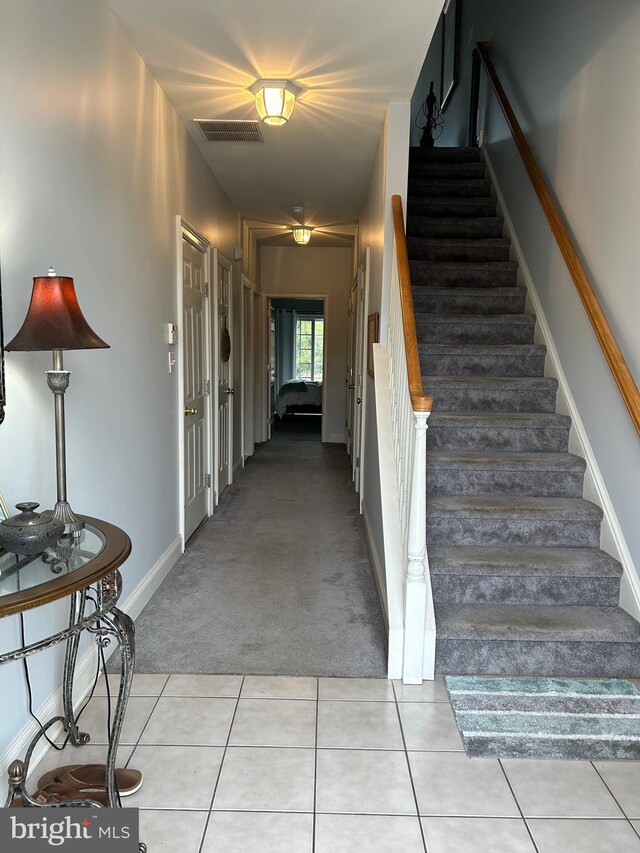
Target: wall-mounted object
(275, 100)
(451, 16)
(171, 333)
(373, 337)
(55, 322)
(238, 254)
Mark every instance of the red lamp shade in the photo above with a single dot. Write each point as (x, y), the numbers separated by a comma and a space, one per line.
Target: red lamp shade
(54, 320)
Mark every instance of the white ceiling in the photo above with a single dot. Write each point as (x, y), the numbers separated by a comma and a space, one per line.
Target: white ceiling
(351, 57)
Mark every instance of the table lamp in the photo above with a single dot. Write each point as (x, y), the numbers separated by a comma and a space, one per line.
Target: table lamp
(55, 322)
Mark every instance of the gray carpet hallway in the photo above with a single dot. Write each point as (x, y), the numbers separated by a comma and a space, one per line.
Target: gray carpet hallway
(278, 581)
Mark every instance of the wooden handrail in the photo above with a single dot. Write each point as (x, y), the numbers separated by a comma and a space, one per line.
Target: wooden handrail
(619, 368)
(420, 401)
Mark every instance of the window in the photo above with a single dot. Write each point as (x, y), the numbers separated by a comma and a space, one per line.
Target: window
(309, 348)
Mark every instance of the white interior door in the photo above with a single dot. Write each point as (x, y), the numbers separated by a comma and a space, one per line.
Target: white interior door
(194, 370)
(360, 390)
(223, 363)
(247, 367)
(351, 367)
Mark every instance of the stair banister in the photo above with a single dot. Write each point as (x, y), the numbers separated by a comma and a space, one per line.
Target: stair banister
(410, 411)
(612, 352)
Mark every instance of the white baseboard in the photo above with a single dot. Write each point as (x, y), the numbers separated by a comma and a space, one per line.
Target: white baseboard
(86, 666)
(611, 536)
(336, 438)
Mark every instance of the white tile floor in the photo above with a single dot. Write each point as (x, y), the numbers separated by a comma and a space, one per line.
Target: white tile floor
(330, 765)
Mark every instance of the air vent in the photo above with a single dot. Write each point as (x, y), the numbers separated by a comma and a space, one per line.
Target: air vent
(230, 131)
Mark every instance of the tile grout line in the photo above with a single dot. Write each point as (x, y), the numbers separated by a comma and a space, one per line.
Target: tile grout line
(224, 755)
(513, 794)
(615, 799)
(315, 770)
(406, 755)
(155, 705)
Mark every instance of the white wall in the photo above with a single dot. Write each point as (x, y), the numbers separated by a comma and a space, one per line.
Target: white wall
(572, 70)
(95, 166)
(388, 177)
(302, 270)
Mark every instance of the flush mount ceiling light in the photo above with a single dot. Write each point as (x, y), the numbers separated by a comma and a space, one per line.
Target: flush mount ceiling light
(302, 235)
(275, 100)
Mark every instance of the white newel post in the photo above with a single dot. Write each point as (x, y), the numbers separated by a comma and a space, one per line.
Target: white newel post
(417, 586)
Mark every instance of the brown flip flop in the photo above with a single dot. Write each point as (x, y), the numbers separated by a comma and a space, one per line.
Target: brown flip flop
(55, 792)
(92, 777)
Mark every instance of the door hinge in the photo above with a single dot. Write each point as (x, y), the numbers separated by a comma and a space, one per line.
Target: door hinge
(206, 288)
(207, 386)
(357, 461)
(207, 481)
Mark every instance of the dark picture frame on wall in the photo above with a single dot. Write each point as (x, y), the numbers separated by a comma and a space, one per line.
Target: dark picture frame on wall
(451, 15)
(373, 337)
(3, 398)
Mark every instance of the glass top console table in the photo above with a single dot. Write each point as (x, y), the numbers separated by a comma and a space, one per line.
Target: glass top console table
(85, 569)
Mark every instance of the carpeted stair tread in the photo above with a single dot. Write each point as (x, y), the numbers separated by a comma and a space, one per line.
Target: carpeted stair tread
(544, 623)
(436, 154)
(492, 393)
(523, 561)
(522, 462)
(446, 171)
(463, 273)
(466, 506)
(473, 301)
(488, 520)
(446, 188)
(470, 329)
(454, 226)
(462, 249)
(448, 207)
(522, 360)
(507, 431)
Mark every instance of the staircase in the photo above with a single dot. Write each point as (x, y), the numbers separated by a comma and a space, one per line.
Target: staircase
(520, 585)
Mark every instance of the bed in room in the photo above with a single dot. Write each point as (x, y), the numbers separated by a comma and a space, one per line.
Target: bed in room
(299, 396)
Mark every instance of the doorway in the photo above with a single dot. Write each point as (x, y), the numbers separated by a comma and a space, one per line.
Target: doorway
(297, 360)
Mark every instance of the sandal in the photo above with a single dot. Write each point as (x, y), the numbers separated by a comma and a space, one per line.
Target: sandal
(92, 777)
(55, 792)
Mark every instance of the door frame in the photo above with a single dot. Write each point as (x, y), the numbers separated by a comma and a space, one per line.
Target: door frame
(247, 368)
(325, 295)
(218, 258)
(361, 362)
(185, 231)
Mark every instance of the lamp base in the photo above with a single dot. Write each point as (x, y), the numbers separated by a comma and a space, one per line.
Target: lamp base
(63, 512)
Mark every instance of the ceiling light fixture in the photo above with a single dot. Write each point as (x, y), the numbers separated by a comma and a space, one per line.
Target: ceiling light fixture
(275, 100)
(302, 235)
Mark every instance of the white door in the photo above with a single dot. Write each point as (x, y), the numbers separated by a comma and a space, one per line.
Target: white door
(247, 368)
(351, 367)
(223, 365)
(360, 390)
(194, 378)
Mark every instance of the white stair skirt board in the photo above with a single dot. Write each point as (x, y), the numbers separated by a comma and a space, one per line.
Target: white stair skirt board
(611, 537)
(86, 666)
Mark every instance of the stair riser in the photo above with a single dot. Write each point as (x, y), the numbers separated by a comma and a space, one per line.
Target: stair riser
(474, 276)
(451, 207)
(541, 484)
(456, 227)
(480, 301)
(447, 171)
(433, 154)
(439, 330)
(508, 746)
(534, 590)
(439, 188)
(545, 440)
(546, 658)
(419, 249)
(480, 530)
(450, 399)
(481, 365)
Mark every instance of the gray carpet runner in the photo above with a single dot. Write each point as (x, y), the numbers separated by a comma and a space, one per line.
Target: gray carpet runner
(519, 582)
(593, 719)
